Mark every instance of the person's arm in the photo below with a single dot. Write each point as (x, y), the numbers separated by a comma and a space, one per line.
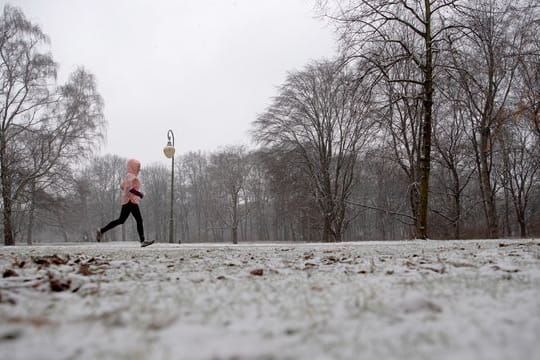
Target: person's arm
(135, 186)
(137, 193)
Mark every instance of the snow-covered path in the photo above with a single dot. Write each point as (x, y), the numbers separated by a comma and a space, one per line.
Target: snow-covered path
(477, 299)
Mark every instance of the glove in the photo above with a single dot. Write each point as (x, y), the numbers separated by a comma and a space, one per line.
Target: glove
(136, 193)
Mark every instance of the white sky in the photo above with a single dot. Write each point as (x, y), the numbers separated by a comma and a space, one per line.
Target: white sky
(203, 68)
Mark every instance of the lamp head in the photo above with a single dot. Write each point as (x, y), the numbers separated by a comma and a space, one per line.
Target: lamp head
(169, 150)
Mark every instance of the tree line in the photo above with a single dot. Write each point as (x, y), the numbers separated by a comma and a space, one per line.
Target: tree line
(426, 124)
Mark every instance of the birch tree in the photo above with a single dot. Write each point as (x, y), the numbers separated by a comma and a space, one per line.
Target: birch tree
(38, 120)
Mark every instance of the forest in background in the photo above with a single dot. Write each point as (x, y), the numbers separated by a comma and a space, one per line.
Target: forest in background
(425, 125)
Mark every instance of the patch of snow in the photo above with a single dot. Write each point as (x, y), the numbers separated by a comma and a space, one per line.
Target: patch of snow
(418, 299)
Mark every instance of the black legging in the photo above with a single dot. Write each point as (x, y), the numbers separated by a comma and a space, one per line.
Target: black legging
(129, 208)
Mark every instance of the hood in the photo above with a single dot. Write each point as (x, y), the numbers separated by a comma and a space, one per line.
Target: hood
(133, 166)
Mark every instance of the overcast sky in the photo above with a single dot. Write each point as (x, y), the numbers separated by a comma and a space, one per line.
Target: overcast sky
(203, 68)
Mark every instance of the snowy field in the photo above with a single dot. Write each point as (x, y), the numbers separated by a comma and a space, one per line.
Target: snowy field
(374, 300)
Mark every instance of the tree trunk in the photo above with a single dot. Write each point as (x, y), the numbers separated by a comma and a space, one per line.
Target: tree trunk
(326, 229)
(234, 232)
(425, 158)
(489, 205)
(457, 206)
(414, 199)
(521, 218)
(31, 215)
(59, 218)
(8, 230)
(31, 212)
(522, 226)
(235, 219)
(339, 223)
(507, 227)
(30, 225)
(6, 197)
(485, 186)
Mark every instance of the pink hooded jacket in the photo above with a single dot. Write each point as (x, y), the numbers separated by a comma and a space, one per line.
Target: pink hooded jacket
(130, 182)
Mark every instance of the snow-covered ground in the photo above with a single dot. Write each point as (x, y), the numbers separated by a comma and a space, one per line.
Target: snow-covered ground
(374, 300)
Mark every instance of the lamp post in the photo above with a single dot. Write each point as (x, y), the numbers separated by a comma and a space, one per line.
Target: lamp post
(169, 153)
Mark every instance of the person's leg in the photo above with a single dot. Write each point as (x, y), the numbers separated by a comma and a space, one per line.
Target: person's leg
(138, 218)
(124, 213)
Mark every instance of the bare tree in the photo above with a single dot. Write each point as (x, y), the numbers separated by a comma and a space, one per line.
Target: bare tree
(71, 132)
(401, 126)
(38, 121)
(182, 201)
(385, 212)
(259, 194)
(195, 169)
(486, 59)
(229, 169)
(453, 157)
(528, 93)
(292, 213)
(323, 113)
(43, 193)
(417, 30)
(25, 75)
(154, 179)
(103, 176)
(519, 168)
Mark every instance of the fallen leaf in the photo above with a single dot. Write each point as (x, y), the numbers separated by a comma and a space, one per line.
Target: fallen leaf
(19, 264)
(58, 284)
(41, 261)
(84, 269)
(257, 272)
(58, 260)
(329, 260)
(9, 273)
(50, 260)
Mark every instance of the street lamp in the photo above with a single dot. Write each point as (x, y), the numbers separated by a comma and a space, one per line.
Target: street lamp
(169, 153)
